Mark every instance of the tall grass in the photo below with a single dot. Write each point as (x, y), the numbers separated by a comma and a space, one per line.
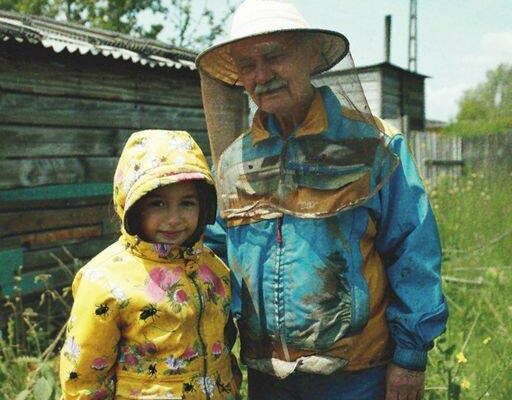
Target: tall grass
(473, 359)
(30, 338)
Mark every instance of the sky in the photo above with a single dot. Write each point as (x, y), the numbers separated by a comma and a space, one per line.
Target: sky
(458, 40)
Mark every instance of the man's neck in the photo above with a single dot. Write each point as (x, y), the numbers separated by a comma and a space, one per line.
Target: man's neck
(288, 122)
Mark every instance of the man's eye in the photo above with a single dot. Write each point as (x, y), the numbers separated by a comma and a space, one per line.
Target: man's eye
(273, 57)
(189, 203)
(245, 68)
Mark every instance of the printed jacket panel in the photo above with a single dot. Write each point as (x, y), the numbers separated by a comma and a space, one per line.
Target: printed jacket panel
(148, 321)
(337, 280)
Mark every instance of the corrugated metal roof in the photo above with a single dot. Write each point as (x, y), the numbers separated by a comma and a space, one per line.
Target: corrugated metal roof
(75, 38)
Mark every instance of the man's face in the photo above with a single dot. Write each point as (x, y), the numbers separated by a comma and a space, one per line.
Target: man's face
(275, 71)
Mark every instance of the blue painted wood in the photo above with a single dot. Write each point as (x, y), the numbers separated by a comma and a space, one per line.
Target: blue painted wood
(54, 192)
(10, 262)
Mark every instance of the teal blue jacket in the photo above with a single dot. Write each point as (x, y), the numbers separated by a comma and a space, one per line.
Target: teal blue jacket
(331, 240)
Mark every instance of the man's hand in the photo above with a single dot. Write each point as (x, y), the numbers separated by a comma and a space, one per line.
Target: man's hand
(404, 384)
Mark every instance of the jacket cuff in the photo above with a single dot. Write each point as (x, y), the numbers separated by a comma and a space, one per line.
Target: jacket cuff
(415, 360)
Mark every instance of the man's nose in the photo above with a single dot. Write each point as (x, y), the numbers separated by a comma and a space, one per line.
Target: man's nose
(263, 73)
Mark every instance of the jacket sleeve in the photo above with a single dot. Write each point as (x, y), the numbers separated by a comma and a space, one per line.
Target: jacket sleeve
(215, 237)
(408, 241)
(90, 351)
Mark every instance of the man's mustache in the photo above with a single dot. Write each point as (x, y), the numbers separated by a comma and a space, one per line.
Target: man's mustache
(273, 84)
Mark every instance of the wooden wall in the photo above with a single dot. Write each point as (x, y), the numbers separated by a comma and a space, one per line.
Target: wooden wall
(391, 93)
(64, 119)
(403, 94)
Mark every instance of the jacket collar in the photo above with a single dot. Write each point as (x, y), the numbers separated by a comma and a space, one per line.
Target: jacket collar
(314, 123)
(160, 252)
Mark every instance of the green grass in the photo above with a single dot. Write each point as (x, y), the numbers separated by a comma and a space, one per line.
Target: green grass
(473, 358)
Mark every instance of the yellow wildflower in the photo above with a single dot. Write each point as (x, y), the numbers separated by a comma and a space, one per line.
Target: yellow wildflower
(486, 340)
(461, 358)
(465, 384)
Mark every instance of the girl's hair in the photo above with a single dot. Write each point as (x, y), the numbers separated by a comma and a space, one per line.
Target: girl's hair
(207, 198)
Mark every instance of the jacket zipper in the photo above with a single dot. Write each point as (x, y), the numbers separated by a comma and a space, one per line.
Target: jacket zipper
(201, 341)
(279, 240)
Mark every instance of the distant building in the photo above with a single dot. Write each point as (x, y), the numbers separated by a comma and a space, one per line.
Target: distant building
(393, 93)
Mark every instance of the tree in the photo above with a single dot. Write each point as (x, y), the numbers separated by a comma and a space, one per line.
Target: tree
(196, 30)
(487, 108)
(119, 16)
(190, 27)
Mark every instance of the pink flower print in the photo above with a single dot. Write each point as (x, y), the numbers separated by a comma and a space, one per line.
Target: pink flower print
(189, 354)
(99, 363)
(146, 349)
(99, 395)
(217, 349)
(160, 280)
(130, 359)
(180, 296)
(207, 275)
(119, 175)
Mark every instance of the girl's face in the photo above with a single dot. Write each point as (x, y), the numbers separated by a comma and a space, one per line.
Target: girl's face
(170, 213)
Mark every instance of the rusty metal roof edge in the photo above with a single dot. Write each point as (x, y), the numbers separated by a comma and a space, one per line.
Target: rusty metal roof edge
(73, 37)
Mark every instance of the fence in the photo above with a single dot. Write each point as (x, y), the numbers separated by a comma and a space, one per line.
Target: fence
(447, 157)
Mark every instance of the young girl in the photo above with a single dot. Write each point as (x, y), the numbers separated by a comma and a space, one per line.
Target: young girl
(150, 311)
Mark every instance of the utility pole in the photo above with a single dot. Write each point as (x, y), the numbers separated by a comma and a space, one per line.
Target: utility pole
(413, 33)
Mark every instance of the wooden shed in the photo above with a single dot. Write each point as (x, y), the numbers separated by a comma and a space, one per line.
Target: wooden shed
(393, 93)
(69, 98)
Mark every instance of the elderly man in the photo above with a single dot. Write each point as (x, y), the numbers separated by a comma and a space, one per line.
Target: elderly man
(324, 221)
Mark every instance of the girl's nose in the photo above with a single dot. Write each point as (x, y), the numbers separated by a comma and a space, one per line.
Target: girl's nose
(173, 216)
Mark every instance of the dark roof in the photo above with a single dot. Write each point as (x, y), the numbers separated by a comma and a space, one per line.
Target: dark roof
(382, 65)
(75, 38)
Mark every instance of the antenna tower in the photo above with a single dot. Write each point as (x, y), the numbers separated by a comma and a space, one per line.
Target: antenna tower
(413, 34)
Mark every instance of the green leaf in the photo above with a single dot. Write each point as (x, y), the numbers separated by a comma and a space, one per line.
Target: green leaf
(23, 395)
(42, 389)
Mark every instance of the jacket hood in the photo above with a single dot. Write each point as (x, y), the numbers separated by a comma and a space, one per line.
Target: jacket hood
(155, 158)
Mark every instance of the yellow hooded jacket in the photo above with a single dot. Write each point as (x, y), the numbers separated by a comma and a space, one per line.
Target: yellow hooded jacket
(148, 321)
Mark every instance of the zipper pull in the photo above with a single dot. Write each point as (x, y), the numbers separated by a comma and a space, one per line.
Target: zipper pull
(279, 235)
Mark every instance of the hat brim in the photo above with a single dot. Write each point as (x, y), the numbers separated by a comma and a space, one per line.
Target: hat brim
(217, 62)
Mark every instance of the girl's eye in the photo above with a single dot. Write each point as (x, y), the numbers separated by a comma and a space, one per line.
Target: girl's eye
(156, 203)
(189, 203)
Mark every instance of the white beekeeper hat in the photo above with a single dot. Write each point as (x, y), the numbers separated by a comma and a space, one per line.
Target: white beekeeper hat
(261, 17)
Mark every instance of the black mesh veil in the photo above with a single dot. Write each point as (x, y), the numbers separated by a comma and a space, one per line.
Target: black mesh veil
(342, 161)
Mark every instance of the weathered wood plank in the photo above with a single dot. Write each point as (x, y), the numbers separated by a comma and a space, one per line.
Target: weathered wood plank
(81, 249)
(54, 171)
(79, 76)
(81, 232)
(29, 284)
(20, 108)
(55, 192)
(39, 141)
(17, 204)
(12, 260)
(13, 223)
